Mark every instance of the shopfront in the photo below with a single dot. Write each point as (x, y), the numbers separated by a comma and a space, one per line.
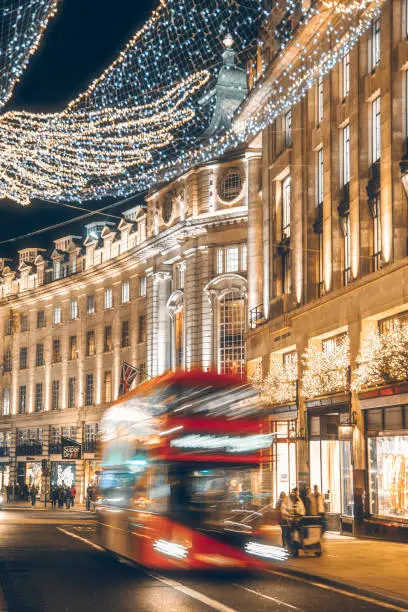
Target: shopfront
(330, 463)
(63, 473)
(387, 466)
(282, 475)
(30, 473)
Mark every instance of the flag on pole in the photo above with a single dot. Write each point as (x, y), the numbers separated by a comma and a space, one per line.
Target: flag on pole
(127, 376)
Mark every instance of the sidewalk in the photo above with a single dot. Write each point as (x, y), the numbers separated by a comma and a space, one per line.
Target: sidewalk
(22, 505)
(375, 566)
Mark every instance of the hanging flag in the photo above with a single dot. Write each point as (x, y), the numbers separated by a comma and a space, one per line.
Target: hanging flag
(127, 376)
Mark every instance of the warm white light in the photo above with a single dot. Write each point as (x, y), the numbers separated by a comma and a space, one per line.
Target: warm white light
(178, 551)
(267, 551)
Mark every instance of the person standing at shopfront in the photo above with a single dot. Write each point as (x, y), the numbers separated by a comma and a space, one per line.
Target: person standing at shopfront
(315, 505)
(73, 494)
(33, 494)
(68, 498)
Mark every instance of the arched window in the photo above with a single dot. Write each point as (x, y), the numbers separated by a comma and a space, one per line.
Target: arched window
(231, 352)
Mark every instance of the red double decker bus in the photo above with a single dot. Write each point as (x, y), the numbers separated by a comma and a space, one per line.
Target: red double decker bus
(180, 482)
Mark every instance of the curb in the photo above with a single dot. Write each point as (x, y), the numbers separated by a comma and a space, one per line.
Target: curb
(330, 582)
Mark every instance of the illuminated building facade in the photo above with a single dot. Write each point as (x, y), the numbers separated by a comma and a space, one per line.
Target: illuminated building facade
(328, 267)
(164, 288)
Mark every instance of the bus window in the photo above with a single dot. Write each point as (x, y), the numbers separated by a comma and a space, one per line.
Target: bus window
(116, 488)
(151, 490)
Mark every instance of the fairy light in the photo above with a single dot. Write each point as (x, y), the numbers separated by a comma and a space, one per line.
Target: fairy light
(280, 385)
(326, 373)
(141, 120)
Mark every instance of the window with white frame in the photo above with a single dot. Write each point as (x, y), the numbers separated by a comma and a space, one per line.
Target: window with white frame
(345, 75)
(9, 327)
(108, 298)
(38, 403)
(142, 286)
(375, 43)
(73, 264)
(286, 207)
(90, 304)
(220, 261)
(244, 257)
(24, 323)
(376, 129)
(57, 270)
(40, 319)
(346, 155)
(7, 360)
(320, 177)
(89, 390)
(320, 100)
(72, 392)
(57, 315)
(6, 401)
(231, 259)
(55, 394)
(231, 333)
(125, 292)
(73, 309)
(347, 250)
(288, 128)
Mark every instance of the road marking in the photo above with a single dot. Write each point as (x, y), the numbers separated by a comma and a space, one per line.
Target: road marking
(3, 602)
(320, 585)
(278, 601)
(208, 601)
(77, 537)
(211, 603)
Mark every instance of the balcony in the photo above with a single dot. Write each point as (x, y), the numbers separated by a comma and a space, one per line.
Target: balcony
(256, 316)
(4, 451)
(29, 448)
(89, 446)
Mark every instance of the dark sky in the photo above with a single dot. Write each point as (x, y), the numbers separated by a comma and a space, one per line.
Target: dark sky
(84, 37)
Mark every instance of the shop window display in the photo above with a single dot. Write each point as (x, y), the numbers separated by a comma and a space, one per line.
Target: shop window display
(388, 476)
(62, 473)
(284, 458)
(331, 471)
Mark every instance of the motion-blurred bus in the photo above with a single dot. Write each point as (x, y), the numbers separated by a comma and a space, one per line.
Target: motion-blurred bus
(180, 482)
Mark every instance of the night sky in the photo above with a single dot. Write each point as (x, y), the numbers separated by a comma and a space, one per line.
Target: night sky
(80, 42)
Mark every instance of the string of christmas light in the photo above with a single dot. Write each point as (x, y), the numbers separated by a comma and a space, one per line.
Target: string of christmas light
(64, 156)
(22, 24)
(326, 372)
(280, 385)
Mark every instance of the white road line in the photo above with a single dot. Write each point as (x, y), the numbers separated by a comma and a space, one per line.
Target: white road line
(278, 601)
(211, 603)
(77, 537)
(3, 602)
(208, 601)
(378, 602)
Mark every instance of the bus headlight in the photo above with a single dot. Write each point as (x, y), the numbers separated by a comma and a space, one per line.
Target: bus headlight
(266, 551)
(178, 551)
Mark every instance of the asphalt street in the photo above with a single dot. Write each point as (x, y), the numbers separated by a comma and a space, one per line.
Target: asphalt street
(48, 563)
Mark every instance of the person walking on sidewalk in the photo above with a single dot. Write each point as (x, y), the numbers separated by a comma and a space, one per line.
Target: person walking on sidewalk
(33, 494)
(73, 494)
(68, 498)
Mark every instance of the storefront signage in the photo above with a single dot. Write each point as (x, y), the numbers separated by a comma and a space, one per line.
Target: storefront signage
(70, 448)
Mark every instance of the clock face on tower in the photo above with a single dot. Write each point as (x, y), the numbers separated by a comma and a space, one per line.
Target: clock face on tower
(167, 208)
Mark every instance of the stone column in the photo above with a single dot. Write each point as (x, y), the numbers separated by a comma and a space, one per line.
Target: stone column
(158, 323)
(255, 230)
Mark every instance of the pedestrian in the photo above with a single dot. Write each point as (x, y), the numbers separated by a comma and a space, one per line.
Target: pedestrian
(73, 494)
(61, 496)
(68, 498)
(281, 504)
(9, 491)
(316, 506)
(33, 494)
(54, 496)
(25, 492)
(89, 497)
(292, 512)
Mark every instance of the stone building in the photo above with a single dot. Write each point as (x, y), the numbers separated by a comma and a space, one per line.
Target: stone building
(164, 288)
(327, 259)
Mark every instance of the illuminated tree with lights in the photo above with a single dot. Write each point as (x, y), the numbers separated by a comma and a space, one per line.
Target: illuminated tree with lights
(280, 385)
(325, 373)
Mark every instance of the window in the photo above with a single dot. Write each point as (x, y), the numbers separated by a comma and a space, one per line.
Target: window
(286, 208)
(375, 130)
(375, 43)
(40, 319)
(74, 309)
(6, 401)
(179, 339)
(124, 341)
(73, 347)
(9, 327)
(90, 304)
(142, 286)
(347, 251)
(231, 257)
(244, 257)
(345, 74)
(231, 186)
(377, 239)
(24, 323)
(90, 343)
(220, 261)
(320, 177)
(108, 298)
(73, 264)
(125, 292)
(107, 342)
(7, 360)
(71, 392)
(181, 275)
(91, 432)
(231, 334)
(55, 389)
(288, 129)
(108, 387)
(39, 355)
(320, 100)
(22, 399)
(57, 270)
(142, 329)
(346, 155)
(321, 267)
(89, 390)
(56, 350)
(57, 315)
(330, 344)
(23, 358)
(39, 406)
